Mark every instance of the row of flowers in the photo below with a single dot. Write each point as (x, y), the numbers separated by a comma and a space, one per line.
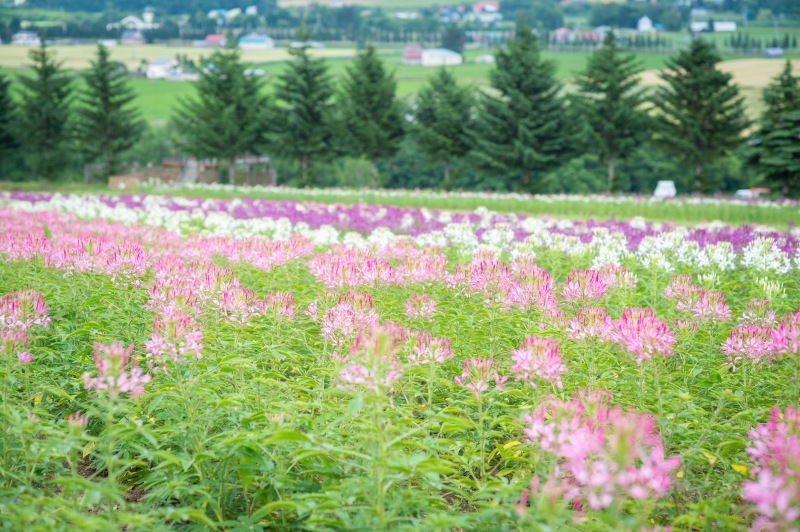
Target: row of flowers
(708, 248)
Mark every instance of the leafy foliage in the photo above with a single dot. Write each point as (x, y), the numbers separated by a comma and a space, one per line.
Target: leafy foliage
(611, 104)
(7, 140)
(776, 153)
(443, 121)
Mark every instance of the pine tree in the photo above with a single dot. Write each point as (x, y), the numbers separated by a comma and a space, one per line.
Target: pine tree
(700, 114)
(776, 151)
(443, 120)
(371, 115)
(7, 141)
(611, 100)
(303, 129)
(107, 125)
(226, 119)
(454, 38)
(42, 123)
(522, 129)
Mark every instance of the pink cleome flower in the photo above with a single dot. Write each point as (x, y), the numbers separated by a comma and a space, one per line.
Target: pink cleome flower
(606, 453)
(114, 376)
(776, 490)
(749, 342)
(591, 323)
(644, 335)
(538, 359)
(420, 307)
(476, 375)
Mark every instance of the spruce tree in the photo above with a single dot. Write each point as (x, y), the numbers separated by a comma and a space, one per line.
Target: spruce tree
(303, 129)
(107, 125)
(454, 38)
(371, 115)
(610, 100)
(7, 141)
(226, 119)
(700, 114)
(443, 120)
(42, 123)
(522, 128)
(776, 150)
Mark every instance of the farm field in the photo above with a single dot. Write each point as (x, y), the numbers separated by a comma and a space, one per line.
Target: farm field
(179, 362)
(156, 98)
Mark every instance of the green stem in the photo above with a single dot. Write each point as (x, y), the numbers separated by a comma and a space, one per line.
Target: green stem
(6, 440)
(482, 437)
(431, 376)
(378, 468)
(109, 452)
(641, 386)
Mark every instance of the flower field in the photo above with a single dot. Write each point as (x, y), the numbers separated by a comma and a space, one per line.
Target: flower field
(174, 362)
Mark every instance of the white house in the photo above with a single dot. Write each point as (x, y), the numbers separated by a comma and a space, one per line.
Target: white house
(697, 27)
(487, 59)
(255, 41)
(26, 38)
(645, 24)
(135, 23)
(433, 57)
(724, 26)
(251, 11)
(233, 13)
(162, 69)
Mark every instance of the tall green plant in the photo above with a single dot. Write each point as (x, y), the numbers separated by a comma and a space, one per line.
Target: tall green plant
(107, 124)
(776, 153)
(7, 140)
(43, 121)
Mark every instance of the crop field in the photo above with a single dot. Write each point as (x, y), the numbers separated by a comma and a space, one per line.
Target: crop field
(178, 362)
(156, 98)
